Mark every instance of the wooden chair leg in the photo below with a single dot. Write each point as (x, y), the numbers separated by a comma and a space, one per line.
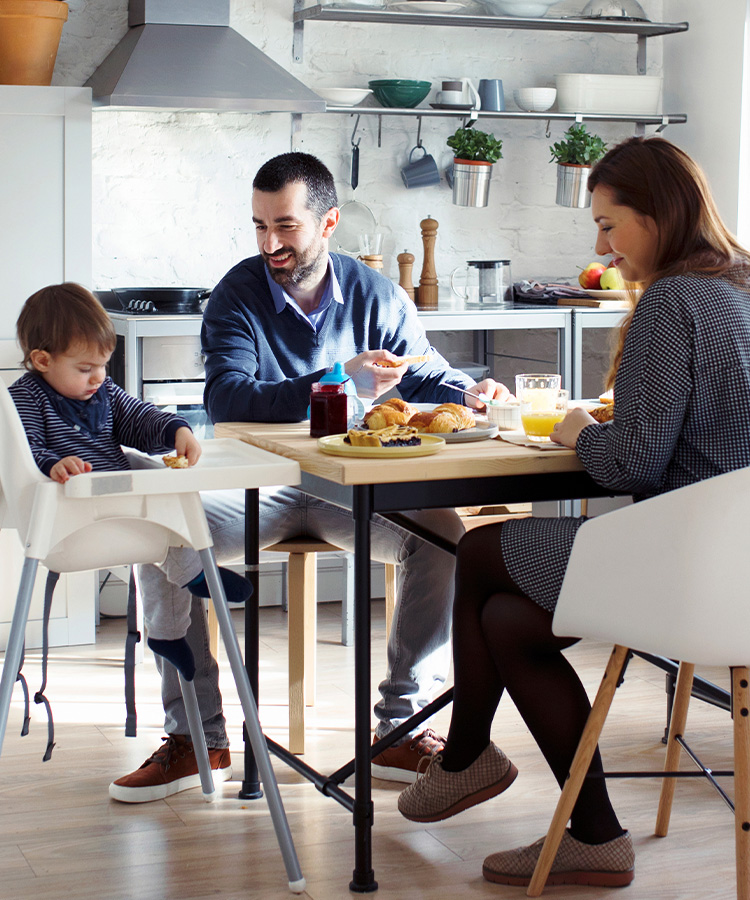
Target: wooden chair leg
(741, 716)
(677, 724)
(302, 643)
(390, 597)
(578, 769)
(212, 624)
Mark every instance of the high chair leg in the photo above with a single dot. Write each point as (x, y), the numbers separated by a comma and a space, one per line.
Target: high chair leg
(677, 723)
(252, 723)
(578, 768)
(15, 641)
(198, 738)
(741, 716)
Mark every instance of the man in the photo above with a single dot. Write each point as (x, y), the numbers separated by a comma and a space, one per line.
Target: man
(273, 326)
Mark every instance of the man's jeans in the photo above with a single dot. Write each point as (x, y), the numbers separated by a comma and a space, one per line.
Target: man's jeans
(419, 643)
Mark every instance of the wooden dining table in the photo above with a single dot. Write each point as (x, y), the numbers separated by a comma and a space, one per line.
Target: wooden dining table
(477, 473)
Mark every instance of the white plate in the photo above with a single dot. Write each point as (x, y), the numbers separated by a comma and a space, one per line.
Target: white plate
(427, 6)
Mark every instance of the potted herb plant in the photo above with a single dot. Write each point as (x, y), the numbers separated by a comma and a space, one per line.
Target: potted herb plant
(474, 154)
(575, 156)
(30, 32)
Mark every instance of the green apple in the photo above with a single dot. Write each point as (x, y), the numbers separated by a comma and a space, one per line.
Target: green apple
(589, 277)
(611, 280)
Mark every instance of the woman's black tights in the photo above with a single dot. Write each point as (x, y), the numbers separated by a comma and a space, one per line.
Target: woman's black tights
(503, 640)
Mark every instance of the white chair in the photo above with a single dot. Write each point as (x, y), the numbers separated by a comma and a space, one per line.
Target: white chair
(106, 519)
(675, 586)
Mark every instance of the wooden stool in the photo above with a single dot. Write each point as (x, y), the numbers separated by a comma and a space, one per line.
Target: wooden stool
(302, 600)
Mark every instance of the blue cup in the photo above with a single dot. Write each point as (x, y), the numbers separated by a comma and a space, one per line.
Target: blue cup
(420, 172)
(491, 94)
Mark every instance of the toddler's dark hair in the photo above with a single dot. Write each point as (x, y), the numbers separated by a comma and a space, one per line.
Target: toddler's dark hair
(58, 317)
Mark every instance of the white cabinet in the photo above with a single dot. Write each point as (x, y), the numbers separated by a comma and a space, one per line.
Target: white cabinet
(45, 199)
(45, 192)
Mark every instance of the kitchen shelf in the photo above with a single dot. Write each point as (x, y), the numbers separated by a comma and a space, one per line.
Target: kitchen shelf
(661, 120)
(572, 23)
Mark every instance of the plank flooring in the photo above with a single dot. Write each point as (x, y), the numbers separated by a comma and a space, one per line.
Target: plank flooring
(62, 837)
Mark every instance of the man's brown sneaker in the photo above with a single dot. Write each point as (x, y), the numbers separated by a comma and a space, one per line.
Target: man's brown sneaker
(173, 768)
(402, 763)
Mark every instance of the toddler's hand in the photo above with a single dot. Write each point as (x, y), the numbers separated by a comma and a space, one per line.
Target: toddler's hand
(69, 465)
(186, 444)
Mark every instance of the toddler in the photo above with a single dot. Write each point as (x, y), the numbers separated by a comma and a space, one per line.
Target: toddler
(76, 419)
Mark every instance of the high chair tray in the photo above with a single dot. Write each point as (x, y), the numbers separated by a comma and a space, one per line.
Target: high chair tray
(225, 463)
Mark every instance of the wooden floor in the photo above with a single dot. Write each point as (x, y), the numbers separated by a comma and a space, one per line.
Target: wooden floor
(62, 837)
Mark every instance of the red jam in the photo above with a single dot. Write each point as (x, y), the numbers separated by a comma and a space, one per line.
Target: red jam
(328, 410)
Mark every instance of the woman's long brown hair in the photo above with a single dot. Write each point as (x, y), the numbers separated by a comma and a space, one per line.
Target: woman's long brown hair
(655, 178)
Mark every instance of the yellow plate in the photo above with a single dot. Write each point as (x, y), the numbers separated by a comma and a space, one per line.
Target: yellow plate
(334, 444)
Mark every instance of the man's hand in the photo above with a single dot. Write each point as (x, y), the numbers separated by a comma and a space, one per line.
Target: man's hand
(186, 444)
(370, 380)
(69, 465)
(567, 431)
(490, 388)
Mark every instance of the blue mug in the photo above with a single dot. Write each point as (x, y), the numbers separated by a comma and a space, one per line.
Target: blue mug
(491, 94)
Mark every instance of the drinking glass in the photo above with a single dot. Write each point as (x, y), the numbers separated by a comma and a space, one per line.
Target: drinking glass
(371, 244)
(543, 405)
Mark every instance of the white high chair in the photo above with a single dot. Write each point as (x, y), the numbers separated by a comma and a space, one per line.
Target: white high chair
(674, 585)
(106, 519)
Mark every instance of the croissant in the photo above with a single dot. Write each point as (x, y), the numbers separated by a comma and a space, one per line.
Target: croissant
(444, 419)
(464, 415)
(603, 413)
(392, 412)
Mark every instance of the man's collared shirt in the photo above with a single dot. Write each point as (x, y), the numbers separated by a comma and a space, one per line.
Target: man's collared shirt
(331, 292)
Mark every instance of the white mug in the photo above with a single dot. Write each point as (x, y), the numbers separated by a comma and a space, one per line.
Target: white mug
(451, 98)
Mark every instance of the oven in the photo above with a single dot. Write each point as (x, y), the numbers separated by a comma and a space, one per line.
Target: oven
(158, 354)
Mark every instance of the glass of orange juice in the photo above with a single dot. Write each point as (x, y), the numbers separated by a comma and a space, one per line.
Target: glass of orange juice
(543, 405)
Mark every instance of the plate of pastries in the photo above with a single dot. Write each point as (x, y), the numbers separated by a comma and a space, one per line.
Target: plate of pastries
(453, 422)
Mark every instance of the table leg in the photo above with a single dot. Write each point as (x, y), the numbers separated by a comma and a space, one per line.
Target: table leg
(363, 877)
(250, 789)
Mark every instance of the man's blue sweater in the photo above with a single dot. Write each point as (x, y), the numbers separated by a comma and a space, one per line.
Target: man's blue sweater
(260, 364)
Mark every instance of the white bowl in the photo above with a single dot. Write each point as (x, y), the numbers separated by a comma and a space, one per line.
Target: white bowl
(530, 8)
(535, 99)
(506, 415)
(628, 95)
(343, 96)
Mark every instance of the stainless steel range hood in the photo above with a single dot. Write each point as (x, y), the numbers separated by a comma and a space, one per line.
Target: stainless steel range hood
(182, 55)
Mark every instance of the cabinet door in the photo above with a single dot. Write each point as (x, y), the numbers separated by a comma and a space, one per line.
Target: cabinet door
(45, 192)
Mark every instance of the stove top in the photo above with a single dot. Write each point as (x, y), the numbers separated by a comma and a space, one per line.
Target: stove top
(155, 301)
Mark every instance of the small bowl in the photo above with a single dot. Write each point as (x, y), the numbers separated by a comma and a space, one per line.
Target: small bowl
(532, 8)
(337, 96)
(399, 92)
(505, 414)
(535, 99)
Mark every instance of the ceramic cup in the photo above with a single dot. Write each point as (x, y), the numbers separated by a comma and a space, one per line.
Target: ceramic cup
(420, 172)
(491, 94)
(450, 98)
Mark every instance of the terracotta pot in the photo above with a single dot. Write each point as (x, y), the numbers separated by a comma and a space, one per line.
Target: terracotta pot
(471, 182)
(30, 32)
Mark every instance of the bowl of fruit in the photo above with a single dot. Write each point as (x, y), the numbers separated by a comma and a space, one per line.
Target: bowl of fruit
(603, 282)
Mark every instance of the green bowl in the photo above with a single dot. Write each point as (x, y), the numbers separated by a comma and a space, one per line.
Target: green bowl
(399, 92)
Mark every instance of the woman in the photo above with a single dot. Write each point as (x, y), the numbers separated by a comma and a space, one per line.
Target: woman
(681, 377)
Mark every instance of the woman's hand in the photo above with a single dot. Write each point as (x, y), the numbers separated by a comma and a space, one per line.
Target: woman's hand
(69, 465)
(186, 444)
(567, 431)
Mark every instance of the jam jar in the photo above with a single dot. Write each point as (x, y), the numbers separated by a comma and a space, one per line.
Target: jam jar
(328, 409)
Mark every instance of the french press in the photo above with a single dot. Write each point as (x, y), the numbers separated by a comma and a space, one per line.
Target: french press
(487, 283)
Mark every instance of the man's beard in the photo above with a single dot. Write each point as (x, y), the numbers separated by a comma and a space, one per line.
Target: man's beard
(305, 264)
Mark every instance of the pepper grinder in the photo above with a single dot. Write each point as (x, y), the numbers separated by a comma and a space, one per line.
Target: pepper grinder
(405, 262)
(427, 298)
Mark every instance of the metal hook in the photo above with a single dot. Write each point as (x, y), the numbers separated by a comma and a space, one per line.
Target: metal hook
(419, 131)
(547, 132)
(356, 126)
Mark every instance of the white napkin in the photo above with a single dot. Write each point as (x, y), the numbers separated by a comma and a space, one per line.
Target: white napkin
(519, 438)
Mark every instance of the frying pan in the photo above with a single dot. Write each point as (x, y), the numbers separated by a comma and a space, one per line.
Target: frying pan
(354, 217)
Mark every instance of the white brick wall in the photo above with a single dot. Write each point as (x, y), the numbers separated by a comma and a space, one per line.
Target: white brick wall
(172, 191)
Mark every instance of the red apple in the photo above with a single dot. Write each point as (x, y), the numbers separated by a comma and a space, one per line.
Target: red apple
(589, 277)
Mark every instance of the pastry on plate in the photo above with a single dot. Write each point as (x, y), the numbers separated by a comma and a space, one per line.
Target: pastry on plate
(392, 436)
(393, 412)
(444, 419)
(176, 462)
(603, 413)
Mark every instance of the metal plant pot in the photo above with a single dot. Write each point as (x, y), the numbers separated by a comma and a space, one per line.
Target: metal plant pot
(572, 186)
(471, 182)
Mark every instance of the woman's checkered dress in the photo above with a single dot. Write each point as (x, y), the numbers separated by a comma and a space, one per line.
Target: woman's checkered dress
(682, 414)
